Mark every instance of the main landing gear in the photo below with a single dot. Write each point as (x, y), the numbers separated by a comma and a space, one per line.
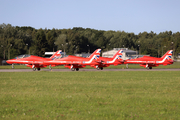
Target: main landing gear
(73, 69)
(99, 68)
(148, 68)
(34, 69)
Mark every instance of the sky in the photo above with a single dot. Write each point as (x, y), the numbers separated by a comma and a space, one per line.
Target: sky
(132, 16)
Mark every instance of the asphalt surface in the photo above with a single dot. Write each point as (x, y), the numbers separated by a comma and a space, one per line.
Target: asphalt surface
(68, 70)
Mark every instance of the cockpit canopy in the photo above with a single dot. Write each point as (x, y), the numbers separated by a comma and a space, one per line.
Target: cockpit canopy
(57, 57)
(22, 56)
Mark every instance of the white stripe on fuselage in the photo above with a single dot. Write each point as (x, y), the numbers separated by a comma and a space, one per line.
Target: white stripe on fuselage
(164, 59)
(91, 59)
(121, 51)
(114, 59)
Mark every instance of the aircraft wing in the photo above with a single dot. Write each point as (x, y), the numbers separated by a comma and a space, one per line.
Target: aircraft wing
(145, 65)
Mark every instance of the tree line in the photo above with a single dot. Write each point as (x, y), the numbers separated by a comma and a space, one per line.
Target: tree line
(15, 40)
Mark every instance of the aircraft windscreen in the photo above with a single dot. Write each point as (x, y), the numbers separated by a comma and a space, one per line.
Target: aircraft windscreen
(134, 57)
(22, 56)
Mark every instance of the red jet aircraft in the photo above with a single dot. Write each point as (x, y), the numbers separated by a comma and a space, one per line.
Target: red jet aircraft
(149, 62)
(106, 62)
(74, 62)
(33, 61)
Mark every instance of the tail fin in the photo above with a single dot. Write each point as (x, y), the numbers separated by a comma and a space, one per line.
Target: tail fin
(96, 52)
(57, 54)
(169, 53)
(94, 56)
(118, 55)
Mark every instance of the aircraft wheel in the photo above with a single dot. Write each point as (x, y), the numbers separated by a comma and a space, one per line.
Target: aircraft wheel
(77, 69)
(150, 67)
(73, 69)
(101, 68)
(98, 68)
(38, 69)
(34, 69)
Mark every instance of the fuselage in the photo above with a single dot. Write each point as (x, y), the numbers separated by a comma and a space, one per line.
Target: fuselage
(31, 61)
(71, 60)
(147, 61)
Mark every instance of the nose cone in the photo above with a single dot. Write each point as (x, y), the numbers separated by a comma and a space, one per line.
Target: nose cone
(11, 61)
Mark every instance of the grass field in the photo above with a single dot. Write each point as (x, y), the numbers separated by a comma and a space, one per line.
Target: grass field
(90, 95)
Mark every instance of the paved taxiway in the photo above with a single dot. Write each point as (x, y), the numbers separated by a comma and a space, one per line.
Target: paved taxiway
(68, 70)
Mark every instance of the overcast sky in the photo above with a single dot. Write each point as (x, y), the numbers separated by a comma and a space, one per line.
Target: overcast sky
(118, 15)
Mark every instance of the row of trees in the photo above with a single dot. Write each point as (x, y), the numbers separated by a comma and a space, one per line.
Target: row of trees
(16, 40)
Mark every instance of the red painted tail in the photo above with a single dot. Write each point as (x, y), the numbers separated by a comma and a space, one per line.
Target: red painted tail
(57, 54)
(96, 52)
(118, 55)
(169, 53)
